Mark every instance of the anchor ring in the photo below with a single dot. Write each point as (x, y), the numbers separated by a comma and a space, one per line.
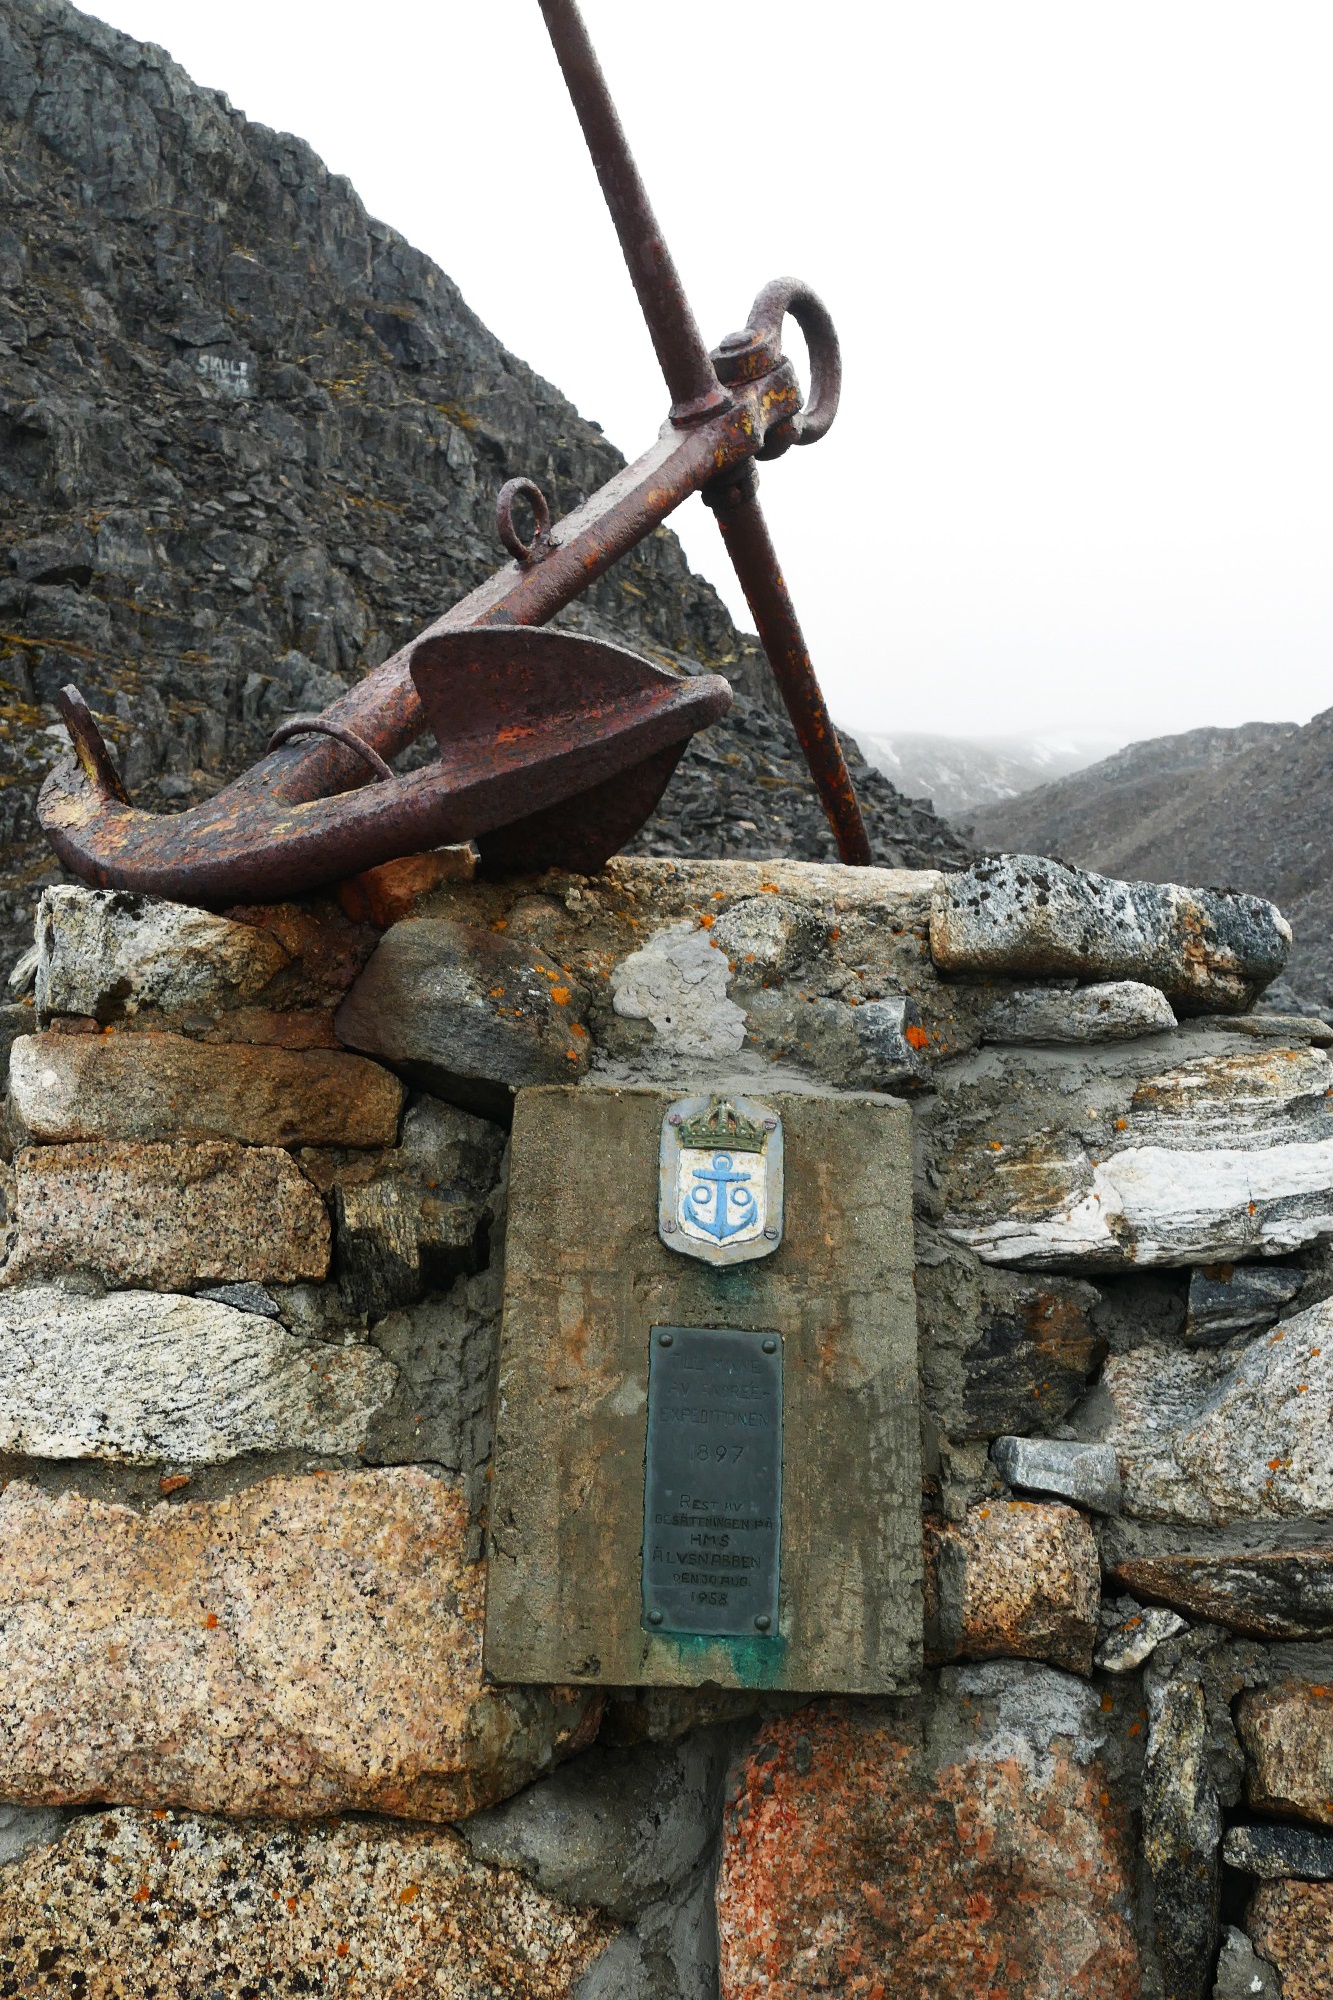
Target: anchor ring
(524, 553)
(315, 725)
(757, 349)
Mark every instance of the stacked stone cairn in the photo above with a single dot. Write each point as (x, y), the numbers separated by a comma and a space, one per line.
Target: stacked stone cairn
(254, 1239)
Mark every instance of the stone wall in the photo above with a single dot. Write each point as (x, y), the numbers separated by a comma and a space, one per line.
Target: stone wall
(254, 1220)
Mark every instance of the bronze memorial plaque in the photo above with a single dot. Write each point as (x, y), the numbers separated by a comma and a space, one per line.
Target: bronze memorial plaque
(712, 1507)
(707, 1446)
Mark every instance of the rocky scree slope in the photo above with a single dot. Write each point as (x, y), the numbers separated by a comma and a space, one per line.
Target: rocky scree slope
(250, 442)
(1245, 808)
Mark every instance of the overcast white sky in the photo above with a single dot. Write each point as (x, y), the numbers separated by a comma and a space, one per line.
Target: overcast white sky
(1078, 254)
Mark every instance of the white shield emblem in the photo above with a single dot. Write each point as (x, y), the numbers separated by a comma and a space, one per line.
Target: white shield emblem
(720, 1183)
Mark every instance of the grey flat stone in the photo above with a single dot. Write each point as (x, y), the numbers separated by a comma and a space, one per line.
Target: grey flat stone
(618, 1829)
(1111, 1011)
(1088, 1474)
(467, 1013)
(146, 1378)
(1018, 914)
(1242, 1974)
(1274, 1027)
(23, 1828)
(1270, 1851)
(244, 1298)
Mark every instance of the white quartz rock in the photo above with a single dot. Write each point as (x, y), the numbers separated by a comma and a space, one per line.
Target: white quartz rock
(678, 982)
(1217, 1437)
(1219, 1159)
(151, 1377)
(107, 953)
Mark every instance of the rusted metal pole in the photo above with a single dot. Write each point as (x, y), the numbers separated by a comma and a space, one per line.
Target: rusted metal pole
(681, 350)
(735, 501)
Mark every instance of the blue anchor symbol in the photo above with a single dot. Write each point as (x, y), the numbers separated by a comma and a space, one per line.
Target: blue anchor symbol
(723, 1194)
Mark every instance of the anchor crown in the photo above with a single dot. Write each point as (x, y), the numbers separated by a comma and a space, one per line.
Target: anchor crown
(723, 1126)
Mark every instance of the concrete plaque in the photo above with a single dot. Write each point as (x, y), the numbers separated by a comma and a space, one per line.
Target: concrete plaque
(712, 1502)
(579, 1458)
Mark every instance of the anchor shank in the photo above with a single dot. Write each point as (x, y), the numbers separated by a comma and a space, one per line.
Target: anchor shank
(745, 532)
(681, 351)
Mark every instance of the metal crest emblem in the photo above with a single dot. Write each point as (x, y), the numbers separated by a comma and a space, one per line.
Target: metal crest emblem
(720, 1181)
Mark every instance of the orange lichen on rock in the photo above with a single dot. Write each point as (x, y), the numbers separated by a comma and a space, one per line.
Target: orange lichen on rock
(978, 1858)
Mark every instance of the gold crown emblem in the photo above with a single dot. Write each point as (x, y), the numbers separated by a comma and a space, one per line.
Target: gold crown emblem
(723, 1127)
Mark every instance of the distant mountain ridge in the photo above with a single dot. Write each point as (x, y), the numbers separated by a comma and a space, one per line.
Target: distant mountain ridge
(959, 773)
(1244, 808)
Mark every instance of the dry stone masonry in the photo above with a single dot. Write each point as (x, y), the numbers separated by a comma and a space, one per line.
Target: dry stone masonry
(256, 1194)
(255, 1189)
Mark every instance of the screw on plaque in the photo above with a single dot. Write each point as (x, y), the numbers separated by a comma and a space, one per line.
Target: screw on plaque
(763, 1621)
(665, 1339)
(654, 1617)
(770, 1347)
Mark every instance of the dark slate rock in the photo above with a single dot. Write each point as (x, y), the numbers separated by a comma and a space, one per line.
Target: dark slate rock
(248, 1297)
(1287, 1594)
(465, 1013)
(1182, 1834)
(620, 1829)
(1002, 1351)
(1273, 1851)
(1227, 1299)
(1242, 1974)
(412, 1220)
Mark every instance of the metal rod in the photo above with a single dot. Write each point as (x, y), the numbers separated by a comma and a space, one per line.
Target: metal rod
(735, 502)
(681, 352)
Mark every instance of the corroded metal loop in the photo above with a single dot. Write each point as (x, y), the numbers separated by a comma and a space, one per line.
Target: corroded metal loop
(524, 553)
(756, 350)
(789, 295)
(319, 725)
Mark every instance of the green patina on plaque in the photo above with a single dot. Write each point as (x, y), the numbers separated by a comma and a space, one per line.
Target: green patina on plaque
(589, 1284)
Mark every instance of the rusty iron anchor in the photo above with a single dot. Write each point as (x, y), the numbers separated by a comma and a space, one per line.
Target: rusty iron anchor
(553, 748)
